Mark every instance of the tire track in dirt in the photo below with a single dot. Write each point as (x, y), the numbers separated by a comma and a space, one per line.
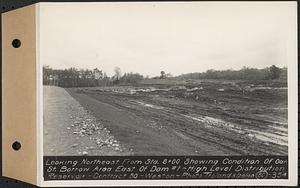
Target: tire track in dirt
(136, 133)
(210, 136)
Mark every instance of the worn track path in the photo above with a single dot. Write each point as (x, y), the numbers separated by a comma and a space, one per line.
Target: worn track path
(144, 136)
(155, 124)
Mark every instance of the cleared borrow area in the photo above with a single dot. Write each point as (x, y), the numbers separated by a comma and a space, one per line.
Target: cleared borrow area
(208, 117)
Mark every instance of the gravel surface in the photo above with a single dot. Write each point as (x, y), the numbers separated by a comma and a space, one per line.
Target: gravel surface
(69, 129)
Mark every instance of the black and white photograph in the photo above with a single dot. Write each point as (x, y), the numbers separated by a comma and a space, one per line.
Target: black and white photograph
(140, 93)
(165, 79)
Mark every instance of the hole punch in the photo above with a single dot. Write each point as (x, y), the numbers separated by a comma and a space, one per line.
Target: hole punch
(16, 145)
(16, 43)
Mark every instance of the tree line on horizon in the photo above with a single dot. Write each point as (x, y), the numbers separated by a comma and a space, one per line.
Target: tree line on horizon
(269, 73)
(74, 77)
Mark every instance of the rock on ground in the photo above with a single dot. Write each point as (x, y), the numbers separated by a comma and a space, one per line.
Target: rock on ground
(69, 129)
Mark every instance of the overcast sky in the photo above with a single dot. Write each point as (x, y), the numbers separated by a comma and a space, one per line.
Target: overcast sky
(174, 37)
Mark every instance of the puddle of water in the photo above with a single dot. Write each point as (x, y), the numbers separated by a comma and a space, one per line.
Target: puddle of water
(133, 91)
(264, 88)
(273, 120)
(278, 108)
(269, 137)
(281, 129)
(194, 118)
(149, 105)
(212, 121)
(194, 89)
(181, 135)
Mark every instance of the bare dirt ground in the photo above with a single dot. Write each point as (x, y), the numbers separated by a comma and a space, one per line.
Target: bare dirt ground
(69, 129)
(192, 118)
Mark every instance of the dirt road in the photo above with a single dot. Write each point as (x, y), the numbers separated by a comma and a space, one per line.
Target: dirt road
(154, 123)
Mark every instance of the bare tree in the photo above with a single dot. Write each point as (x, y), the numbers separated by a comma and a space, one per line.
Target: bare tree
(162, 74)
(118, 73)
(274, 72)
